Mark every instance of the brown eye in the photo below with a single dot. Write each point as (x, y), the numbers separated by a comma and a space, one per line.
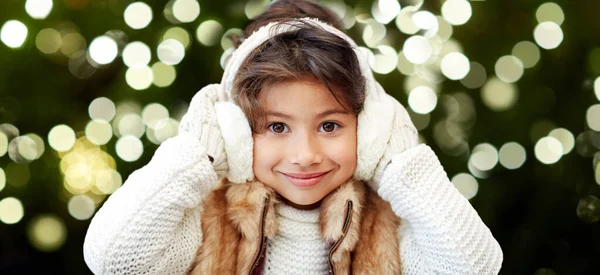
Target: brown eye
(278, 127)
(329, 126)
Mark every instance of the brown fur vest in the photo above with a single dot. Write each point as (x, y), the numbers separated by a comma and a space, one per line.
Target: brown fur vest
(238, 219)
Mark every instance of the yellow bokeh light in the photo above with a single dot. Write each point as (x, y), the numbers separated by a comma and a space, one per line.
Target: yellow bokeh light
(48, 41)
(136, 55)
(98, 132)
(209, 32)
(593, 117)
(102, 109)
(466, 184)
(139, 79)
(498, 95)
(417, 49)
(422, 100)
(138, 15)
(457, 12)
(38, 9)
(548, 35)
(186, 10)
(548, 150)
(47, 232)
(131, 125)
(512, 155)
(509, 69)
(164, 75)
(81, 207)
(13, 33)
(79, 177)
(2, 179)
(61, 138)
(597, 173)
(455, 66)
(404, 21)
(596, 91)
(179, 34)
(108, 181)
(384, 11)
(565, 137)
(153, 113)
(527, 52)
(103, 50)
(11, 210)
(484, 157)
(171, 51)
(72, 43)
(385, 60)
(129, 148)
(254, 8)
(550, 12)
(3, 143)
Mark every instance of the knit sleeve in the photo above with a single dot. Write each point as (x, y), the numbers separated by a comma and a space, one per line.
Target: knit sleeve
(441, 233)
(151, 225)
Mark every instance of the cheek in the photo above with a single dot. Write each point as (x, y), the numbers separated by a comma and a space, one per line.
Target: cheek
(264, 155)
(343, 152)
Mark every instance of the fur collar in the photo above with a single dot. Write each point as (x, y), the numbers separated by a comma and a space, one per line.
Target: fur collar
(232, 225)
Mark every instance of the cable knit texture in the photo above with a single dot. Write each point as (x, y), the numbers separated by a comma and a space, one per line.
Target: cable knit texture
(444, 234)
(298, 247)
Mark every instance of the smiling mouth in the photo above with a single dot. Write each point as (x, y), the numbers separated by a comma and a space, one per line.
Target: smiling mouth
(305, 179)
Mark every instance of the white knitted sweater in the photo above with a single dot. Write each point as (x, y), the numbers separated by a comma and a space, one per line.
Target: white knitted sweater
(151, 225)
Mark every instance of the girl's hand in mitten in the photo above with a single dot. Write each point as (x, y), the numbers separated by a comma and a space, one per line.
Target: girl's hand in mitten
(404, 136)
(200, 121)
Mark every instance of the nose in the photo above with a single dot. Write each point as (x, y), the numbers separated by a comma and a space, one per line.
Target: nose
(305, 150)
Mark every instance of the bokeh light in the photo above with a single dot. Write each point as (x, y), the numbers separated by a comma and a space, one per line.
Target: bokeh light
(498, 95)
(548, 150)
(384, 11)
(138, 15)
(484, 157)
(255, 7)
(466, 184)
(422, 100)
(164, 75)
(171, 52)
(455, 66)
(526, 52)
(404, 21)
(61, 138)
(550, 12)
(476, 76)
(136, 55)
(209, 32)
(186, 10)
(11, 210)
(153, 113)
(512, 155)
(132, 125)
(13, 33)
(509, 69)
(108, 181)
(47, 232)
(588, 209)
(139, 79)
(548, 35)
(102, 109)
(179, 34)
(103, 50)
(81, 207)
(98, 132)
(48, 41)
(3, 143)
(2, 179)
(597, 88)
(427, 22)
(385, 60)
(565, 137)
(417, 49)
(38, 9)
(373, 33)
(456, 12)
(593, 117)
(129, 148)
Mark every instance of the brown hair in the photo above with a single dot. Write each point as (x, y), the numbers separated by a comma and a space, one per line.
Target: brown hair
(309, 52)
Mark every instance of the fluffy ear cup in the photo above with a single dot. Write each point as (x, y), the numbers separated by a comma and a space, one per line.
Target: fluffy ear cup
(237, 137)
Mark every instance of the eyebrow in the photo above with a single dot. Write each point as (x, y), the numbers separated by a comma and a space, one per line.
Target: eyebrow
(320, 115)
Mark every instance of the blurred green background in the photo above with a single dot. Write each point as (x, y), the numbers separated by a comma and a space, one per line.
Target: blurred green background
(505, 91)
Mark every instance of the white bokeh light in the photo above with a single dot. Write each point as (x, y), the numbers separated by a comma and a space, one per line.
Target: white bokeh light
(61, 138)
(13, 33)
(384, 11)
(466, 184)
(565, 137)
(417, 49)
(593, 117)
(455, 66)
(597, 88)
(138, 15)
(11, 210)
(509, 69)
(209, 32)
(457, 12)
(38, 9)
(153, 113)
(81, 207)
(136, 55)
(548, 35)
(484, 157)
(548, 150)
(102, 108)
(139, 79)
(498, 95)
(385, 60)
(129, 148)
(425, 20)
(527, 52)
(550, 12)
(103, 50)
(171, 52)
(186, 10)
(512, 155)
(422, 100)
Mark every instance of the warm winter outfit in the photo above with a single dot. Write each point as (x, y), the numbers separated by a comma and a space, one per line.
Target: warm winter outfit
(399, 214)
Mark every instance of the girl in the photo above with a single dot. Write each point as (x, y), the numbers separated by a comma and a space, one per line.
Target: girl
(320, 170)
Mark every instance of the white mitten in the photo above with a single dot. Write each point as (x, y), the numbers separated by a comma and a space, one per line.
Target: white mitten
(404, 136)
(200, 121)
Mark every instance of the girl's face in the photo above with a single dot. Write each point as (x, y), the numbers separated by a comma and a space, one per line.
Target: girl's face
(308, 148)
